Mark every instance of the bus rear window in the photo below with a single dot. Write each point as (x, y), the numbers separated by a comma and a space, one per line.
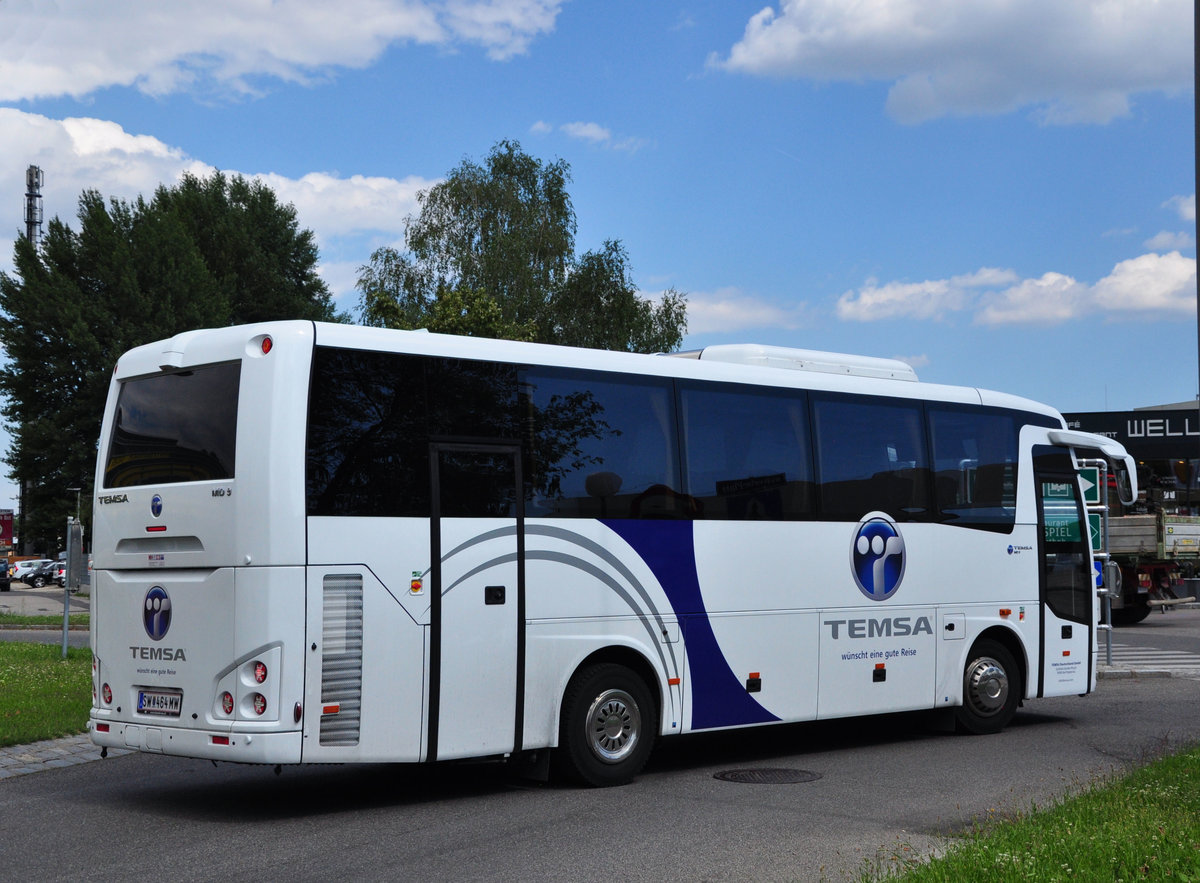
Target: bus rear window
(172, 428)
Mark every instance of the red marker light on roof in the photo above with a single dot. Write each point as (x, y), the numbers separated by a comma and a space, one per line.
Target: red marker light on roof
(266, 345)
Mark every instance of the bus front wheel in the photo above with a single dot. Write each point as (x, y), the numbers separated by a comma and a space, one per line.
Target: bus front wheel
(991, 689)
(608, 726)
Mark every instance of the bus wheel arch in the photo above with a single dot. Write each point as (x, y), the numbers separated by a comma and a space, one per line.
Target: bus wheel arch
(993, 683)
(609, 719)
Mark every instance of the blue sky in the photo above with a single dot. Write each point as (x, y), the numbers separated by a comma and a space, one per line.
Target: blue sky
(999, 191)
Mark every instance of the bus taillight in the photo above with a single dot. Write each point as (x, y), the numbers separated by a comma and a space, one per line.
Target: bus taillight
(266, 345)
(260, 672)
(260, 703)
(106, 694)
(227, 702)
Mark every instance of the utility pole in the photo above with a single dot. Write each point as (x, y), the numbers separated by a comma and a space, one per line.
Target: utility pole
(34, 179)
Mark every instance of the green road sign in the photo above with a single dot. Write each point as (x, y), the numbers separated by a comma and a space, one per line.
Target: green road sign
(1095, 528)
(1090, 477)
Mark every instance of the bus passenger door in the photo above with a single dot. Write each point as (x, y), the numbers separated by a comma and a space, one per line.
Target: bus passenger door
(476, 665)
(1067, 586)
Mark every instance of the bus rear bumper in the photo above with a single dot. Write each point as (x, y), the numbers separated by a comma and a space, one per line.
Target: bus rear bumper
(233, 747)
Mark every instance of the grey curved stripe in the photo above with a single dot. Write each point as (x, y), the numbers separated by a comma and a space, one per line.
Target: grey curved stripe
(579, 540)
(591, 569)
(579, 564)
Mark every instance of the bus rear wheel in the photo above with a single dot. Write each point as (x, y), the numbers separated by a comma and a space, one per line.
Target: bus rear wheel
(609, 721)
(991, 689)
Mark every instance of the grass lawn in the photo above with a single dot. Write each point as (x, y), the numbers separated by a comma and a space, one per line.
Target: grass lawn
(1143, 826)
(42, 695)
(8, 620)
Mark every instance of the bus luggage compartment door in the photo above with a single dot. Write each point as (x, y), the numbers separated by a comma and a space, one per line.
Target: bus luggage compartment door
(477, 610)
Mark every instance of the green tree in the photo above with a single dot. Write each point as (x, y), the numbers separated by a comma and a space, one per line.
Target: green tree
(506, 228)
(598, 306)
(501, 237)
(207, 252)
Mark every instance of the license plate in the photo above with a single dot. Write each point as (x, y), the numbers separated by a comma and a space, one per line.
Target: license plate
(163, 702)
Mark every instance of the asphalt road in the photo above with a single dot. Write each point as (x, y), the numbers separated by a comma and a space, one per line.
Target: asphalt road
(885, 784)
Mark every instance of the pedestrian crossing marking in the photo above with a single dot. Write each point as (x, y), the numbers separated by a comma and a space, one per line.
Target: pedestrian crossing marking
(1127, 654)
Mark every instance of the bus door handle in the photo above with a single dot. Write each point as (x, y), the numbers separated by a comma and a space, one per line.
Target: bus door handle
(493, 594)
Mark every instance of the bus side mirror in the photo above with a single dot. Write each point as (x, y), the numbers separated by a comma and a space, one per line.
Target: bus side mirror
(1126, 483)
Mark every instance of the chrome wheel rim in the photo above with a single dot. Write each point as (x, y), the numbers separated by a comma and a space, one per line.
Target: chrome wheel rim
(986, 686)
(614, 724)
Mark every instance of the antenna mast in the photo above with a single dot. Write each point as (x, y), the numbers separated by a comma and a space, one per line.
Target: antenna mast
(33, 203)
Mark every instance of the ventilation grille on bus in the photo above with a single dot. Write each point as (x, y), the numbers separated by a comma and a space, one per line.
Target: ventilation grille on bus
(341, 659)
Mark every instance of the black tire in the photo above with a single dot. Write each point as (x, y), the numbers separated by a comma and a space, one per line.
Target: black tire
(992, 689)
(1132, 613)
(609, 721)
(38, 582)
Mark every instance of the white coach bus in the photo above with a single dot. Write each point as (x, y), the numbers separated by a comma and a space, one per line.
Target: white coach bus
(323, 543)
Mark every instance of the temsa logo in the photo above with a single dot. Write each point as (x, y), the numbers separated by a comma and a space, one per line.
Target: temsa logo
(883, 627)
(167, 654)
(877, 556)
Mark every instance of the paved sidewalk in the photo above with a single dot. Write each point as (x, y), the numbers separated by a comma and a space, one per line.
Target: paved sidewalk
(17, 760)
(48, 601)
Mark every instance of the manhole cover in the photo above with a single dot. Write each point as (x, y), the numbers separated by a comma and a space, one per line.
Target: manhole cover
(767, 777)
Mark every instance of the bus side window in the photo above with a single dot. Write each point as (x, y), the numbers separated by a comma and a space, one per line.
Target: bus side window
(601, 446)
(974, 466)
(870, 457)
(747, 453)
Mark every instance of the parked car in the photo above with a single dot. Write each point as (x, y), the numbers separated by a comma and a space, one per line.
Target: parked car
(5, 580)
(41, 575)
(22, 569)
(60, 573)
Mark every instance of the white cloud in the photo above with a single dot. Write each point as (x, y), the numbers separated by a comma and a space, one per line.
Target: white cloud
(729, 309)
(334, 206)
(504, 27)
(914, 361)
(602, 136)
(914, 300)
(342, 277)
(75, 47)
(1150, 287)
(1071, 61)
(931, 299)
(1169, 241)
(77, 154)
(1184, 205)
(593, 132)
(1047, 300)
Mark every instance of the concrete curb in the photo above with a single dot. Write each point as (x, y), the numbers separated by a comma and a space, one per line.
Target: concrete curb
(1114, 673)
(19, 760)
